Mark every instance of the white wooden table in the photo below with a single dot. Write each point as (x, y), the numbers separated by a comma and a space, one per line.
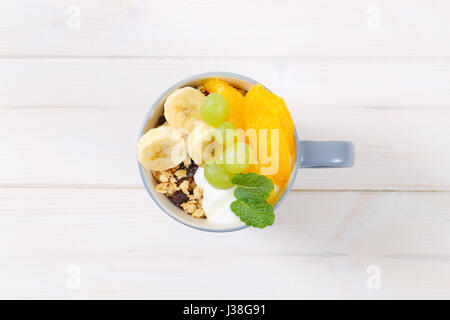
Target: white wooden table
(77, 78)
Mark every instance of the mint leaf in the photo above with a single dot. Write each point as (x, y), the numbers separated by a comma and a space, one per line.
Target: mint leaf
(251, 194)
(257, 215)
(252, 187)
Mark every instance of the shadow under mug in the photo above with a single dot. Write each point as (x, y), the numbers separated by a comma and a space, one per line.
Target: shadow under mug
(310, 154)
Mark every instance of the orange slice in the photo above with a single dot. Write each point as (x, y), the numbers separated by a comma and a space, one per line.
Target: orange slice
(283, 170)
(271, 112)
(265, 110)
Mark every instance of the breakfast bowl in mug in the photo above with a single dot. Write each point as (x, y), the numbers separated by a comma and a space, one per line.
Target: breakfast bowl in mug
(308, 154)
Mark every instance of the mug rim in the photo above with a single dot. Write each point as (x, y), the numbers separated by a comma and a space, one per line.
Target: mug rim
(177, 85)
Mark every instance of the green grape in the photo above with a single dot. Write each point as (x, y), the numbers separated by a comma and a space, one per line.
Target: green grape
(217, 176)
(225, 129)
(237, 157)
(214, 109)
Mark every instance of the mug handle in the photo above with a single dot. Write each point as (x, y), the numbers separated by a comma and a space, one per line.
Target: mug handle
(326, 154)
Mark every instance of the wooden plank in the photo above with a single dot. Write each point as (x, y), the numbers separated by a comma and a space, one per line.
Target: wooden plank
(395, 149)
(304, 83)
(320, 247)
(84, 116)
(73, 96)
(350, 28)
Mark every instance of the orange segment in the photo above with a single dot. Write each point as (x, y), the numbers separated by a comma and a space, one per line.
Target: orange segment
(265, 110)
(233, 97)
(272, 199)
(272, 110)
(283, 172)
(284, 168)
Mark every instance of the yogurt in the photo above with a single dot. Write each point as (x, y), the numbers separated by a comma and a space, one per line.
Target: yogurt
(216, 202)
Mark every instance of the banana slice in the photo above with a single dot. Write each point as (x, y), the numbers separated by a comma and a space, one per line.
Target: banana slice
(182, 107)
(202, 143)
(161, 148)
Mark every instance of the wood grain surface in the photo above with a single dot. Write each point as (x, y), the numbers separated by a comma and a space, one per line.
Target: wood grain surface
(77, 79)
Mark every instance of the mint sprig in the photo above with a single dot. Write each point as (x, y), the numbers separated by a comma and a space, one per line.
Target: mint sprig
(251, 204)
(252, 187)
(257, 215)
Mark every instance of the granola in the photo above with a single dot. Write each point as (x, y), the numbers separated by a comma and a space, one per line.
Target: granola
(179, 186)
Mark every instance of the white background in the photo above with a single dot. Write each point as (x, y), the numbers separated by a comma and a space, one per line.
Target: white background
(77, 78)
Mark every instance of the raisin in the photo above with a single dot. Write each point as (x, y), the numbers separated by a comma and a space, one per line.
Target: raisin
(190, 171)
(178, 198)
(203, 90)
(161, 121)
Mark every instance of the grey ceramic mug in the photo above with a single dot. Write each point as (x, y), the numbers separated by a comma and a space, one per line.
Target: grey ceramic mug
(310, 154)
